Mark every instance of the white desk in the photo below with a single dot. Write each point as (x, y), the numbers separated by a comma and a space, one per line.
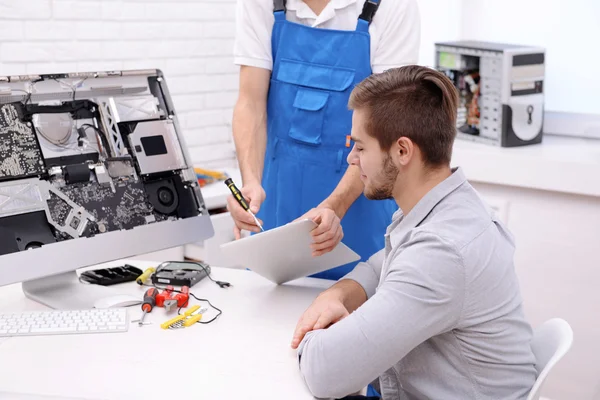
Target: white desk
(558, 164)
(244, 354)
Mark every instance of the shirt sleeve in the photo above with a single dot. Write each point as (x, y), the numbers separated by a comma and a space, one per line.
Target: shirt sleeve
(422, 296)
(398, 25)
(368, 273)
(253, 27)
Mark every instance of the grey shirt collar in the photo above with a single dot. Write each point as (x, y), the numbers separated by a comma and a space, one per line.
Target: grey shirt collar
(402, 224)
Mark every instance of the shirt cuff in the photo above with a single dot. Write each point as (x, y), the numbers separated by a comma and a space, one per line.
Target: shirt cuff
(365, 276)
(253, 62)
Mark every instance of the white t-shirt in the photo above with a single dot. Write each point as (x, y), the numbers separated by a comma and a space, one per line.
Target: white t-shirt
(395, 30)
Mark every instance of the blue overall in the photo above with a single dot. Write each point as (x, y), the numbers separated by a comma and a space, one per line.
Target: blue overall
(314, 71)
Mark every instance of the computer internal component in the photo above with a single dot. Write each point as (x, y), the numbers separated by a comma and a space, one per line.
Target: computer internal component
(120, 167)
(163, 196)
(21, 196)
(20, 155)
(111, 128)
(68, 218)
(24, 232)
(124, 208)
(77, 173)
(135, 108)
(155, 145)
(64, 140)
(170, 196)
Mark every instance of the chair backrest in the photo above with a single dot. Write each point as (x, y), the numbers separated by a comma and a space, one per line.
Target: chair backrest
(551, 341)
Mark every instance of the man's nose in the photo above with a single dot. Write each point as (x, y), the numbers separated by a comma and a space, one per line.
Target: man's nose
(353, 157)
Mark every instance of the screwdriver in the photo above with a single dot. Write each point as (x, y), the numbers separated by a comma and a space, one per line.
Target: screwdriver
(149, 303)
(240, 199)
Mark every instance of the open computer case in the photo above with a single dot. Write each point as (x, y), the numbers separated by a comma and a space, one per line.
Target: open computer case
(85, 158)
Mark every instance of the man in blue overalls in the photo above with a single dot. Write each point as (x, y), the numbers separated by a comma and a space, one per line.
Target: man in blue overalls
(299, 62)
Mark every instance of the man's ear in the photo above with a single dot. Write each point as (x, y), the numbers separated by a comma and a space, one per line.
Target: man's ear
(405, 150)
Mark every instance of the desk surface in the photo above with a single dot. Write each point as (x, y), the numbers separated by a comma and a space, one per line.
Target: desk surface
(245, 353)
(560, 164)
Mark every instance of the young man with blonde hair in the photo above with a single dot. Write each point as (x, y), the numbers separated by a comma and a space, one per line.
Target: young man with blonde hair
(437, 313)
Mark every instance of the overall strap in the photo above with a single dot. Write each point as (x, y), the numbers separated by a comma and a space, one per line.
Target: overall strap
(279, 9)
(368, 12)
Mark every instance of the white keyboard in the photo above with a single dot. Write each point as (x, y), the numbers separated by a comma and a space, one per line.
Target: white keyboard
(63, 322)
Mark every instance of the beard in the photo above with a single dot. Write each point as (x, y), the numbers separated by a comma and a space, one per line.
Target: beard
(383, 186)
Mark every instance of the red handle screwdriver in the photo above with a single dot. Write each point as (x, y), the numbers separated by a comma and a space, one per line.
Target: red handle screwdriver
(148, 304)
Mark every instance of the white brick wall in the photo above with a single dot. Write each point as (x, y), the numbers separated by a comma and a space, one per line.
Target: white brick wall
(190, 40)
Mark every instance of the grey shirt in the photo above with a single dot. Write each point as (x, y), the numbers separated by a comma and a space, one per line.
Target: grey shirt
(444, 317)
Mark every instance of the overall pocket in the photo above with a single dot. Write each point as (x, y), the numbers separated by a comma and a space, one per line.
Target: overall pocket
(317, 86)
(307, 120)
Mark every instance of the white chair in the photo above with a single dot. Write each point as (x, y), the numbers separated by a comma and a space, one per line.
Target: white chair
(551, 341)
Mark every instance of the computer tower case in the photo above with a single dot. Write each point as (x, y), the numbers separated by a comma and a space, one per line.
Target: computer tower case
(501, 90)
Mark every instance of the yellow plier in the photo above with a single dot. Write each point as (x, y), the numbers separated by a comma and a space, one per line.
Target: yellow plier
(184, 320)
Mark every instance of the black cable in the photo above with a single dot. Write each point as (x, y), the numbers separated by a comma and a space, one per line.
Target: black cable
(75, 87)
(74, 92)
(221, 284)
(210, 304)
(103, 138)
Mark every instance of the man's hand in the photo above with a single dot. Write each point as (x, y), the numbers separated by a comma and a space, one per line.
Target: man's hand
(326, 310)
(329, 231)
(255, 195)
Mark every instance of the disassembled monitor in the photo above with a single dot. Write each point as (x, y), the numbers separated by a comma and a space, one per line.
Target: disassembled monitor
(95, 155)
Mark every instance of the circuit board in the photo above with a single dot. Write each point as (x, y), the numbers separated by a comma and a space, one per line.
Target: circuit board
(125, 208)
(20, 155)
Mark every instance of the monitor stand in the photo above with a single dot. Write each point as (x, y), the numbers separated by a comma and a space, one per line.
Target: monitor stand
(65, 292)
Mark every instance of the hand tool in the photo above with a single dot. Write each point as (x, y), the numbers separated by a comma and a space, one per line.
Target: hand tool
(169, 300)
(149, 303)
(241, 200)
(184, 320)
(183, 297)
(172, 321)
(144, 277)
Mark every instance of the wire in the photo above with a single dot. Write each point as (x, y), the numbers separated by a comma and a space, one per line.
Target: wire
(100, 134)
(21, 90)
(221, 284)
(31, 91)
(210, 304)
(58, 142)
(75, 87)
(27, 92)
